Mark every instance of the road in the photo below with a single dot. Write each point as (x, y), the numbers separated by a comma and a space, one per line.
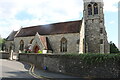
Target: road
(14, 70)
(10, 70)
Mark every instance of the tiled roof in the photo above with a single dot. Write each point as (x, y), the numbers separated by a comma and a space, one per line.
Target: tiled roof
(45, 42)
(11, 36)
(49, 29)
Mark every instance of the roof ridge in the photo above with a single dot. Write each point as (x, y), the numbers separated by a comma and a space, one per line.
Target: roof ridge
(11, 36)
(51, 24)
(50, 29)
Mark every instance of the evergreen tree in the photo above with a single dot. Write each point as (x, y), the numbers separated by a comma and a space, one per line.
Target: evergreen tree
(113, 48)
(3, 44)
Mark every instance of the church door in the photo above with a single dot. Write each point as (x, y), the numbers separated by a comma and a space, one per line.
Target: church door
(36, 49)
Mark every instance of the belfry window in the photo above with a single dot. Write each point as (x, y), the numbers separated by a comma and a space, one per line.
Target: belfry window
(63, 47)
(89, 9)
(95, 8)
(21, 45)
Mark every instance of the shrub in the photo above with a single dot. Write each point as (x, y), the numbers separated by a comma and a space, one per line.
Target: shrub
(113, 48)
(94, 58)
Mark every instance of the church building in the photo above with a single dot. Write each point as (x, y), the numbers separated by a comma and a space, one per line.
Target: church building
(87, 35)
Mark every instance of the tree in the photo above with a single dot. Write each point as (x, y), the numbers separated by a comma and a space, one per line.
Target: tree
(1, 41)
(113, 48)
(3, 44)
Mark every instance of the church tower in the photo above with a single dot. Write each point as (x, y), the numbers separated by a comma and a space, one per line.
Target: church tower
(95, 34)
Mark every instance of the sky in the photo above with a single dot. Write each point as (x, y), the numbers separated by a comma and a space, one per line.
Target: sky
(15, 14)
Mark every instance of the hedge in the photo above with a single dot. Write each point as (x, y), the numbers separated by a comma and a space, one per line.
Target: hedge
(94, 58)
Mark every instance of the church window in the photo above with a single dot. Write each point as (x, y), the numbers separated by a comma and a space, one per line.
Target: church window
(89, 9)
(101, 30)
(101, 41)
(95, 8)
(63, 47)
(21, 45)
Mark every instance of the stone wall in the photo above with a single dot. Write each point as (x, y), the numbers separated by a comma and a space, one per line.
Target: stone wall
(92, 36)
(4, 55)
(72, 39)
(82, 37)
(93, 25)
(73, 65)
(25, 39)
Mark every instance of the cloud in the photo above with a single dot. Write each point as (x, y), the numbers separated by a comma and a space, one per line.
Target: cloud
(41, 12)
(111, 5)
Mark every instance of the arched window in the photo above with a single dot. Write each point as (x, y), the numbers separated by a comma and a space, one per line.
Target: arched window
(63, 47)
(95, 8)
(31, 41)
(89, 9)
(21, 45)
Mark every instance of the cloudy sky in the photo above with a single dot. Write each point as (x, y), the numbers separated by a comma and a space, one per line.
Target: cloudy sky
(17, 13)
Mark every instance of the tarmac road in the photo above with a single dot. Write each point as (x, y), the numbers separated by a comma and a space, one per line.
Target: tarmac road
(14, 70)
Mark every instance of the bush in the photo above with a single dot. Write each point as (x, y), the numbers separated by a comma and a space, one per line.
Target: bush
(113, 48)
(94, 58)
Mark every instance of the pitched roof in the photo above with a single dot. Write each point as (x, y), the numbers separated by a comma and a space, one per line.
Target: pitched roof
(49, 29)
(45, 42)
(11, 36)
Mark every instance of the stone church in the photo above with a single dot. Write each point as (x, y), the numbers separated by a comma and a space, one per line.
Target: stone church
(81, 36)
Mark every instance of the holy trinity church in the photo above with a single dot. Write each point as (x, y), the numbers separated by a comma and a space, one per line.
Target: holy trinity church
(81, 36)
